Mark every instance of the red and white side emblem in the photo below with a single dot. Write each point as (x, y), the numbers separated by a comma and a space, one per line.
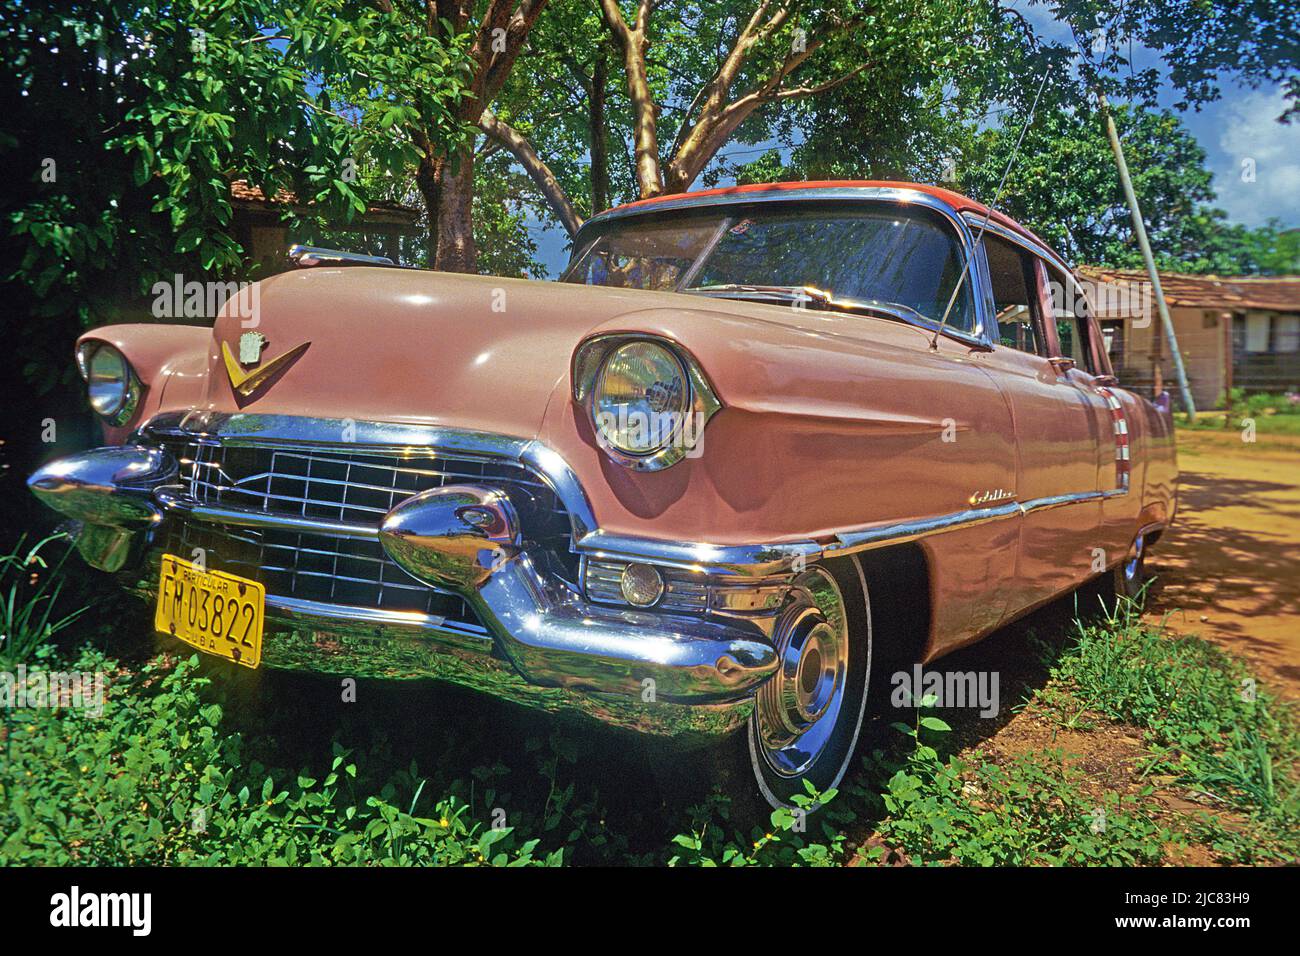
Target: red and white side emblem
(1121, 437)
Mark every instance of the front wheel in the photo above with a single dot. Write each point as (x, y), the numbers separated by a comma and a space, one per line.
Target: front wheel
(808, 715)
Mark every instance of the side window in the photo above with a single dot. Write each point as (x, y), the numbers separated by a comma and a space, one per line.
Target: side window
(1014, 292)
(1069, 312)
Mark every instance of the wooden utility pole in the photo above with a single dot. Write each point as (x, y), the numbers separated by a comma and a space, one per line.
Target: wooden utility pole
(1140, 230)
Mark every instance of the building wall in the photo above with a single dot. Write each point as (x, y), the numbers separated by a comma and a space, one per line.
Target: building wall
(1203, 341)
(1266, 351)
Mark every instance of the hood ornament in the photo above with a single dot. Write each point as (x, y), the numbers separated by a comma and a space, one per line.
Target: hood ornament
(250, 351)
(250, 348)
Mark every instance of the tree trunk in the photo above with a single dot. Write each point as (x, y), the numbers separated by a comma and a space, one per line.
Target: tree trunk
(645, 134)
(429, 181)
(645, 115)
(452, 231)
(599, 135)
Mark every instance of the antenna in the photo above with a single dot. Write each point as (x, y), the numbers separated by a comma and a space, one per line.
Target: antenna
(988, 211)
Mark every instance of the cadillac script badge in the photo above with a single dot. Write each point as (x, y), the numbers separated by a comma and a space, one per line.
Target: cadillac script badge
(250, 348)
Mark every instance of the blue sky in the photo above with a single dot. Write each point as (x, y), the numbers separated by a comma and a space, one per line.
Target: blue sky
(1238, 132)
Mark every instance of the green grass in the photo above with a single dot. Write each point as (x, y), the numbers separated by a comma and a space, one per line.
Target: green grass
(1263, 424)
(1267, 414)
(176, 772)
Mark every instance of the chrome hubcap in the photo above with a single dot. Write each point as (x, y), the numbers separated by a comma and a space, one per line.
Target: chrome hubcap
(798, 707)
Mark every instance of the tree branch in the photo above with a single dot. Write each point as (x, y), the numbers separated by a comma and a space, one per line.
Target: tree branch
(633, 43)
(535, 167)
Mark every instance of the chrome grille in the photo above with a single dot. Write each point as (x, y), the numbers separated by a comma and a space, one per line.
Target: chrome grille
(340, 484)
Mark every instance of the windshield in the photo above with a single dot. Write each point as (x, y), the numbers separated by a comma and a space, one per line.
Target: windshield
(875, 255)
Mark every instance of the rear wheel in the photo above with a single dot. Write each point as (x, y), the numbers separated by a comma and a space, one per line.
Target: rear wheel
(808, 716)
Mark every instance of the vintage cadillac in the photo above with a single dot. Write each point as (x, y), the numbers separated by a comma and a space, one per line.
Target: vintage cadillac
(757, 449)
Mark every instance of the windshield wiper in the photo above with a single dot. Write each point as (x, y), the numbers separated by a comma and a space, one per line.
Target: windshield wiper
(786, 293)
(814, 297)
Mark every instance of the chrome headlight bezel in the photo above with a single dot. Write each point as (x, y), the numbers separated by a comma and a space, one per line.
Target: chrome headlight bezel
(120, 394)
(701, 401)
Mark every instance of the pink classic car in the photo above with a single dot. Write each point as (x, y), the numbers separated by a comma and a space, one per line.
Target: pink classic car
(757, 449)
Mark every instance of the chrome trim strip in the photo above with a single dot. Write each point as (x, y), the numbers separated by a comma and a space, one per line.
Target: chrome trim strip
(901, 194)
(912, 530)
(756, 560)
(739, 560)
(172, 500)
(981, 335)
(304, 257)
(375, 616)
(974, 221)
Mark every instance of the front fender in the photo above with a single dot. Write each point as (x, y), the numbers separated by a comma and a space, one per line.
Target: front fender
(157, 353)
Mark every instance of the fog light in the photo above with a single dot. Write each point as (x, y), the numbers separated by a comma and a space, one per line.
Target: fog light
(641, 585)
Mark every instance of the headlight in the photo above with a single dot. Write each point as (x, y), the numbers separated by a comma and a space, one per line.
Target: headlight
(647, 399)
(112, 387)
(641, 398)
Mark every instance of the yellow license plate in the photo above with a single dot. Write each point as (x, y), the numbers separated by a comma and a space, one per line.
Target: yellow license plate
(218, 613)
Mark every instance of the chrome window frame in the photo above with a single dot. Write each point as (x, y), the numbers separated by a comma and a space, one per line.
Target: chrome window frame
(975, 220)
(979, 337)
(1043, 252)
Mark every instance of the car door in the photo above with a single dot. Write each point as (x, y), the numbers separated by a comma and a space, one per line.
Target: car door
(1057, 465)
(1078, 343)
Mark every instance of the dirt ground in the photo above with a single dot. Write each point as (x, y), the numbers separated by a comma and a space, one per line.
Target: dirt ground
(1229, 569)
(1226, 571)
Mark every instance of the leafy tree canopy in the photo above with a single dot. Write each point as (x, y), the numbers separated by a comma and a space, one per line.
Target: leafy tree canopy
(1065, 187)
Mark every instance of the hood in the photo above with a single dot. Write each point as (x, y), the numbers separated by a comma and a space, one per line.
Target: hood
(472, 352)
(481, 352)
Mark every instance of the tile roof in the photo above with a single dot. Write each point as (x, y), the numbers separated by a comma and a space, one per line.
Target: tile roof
(1273, 293)
(242, 192)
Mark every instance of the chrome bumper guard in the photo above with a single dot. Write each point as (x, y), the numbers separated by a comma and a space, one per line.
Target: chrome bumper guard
(549, 647)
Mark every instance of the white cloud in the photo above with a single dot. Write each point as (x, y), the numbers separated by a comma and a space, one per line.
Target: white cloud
(1250, 134)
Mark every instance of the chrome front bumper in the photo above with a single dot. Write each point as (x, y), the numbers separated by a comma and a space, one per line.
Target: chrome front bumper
(546, 645)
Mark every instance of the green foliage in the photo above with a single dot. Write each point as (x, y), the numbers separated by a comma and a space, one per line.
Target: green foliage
(1198, 41)
(1029, 811)
(1206, 723)
(155, 781)
(1065, 187)
(504, 204)
(29, 596)
(714, 841)
(134, 117)
(932, 72)
(396, 80)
